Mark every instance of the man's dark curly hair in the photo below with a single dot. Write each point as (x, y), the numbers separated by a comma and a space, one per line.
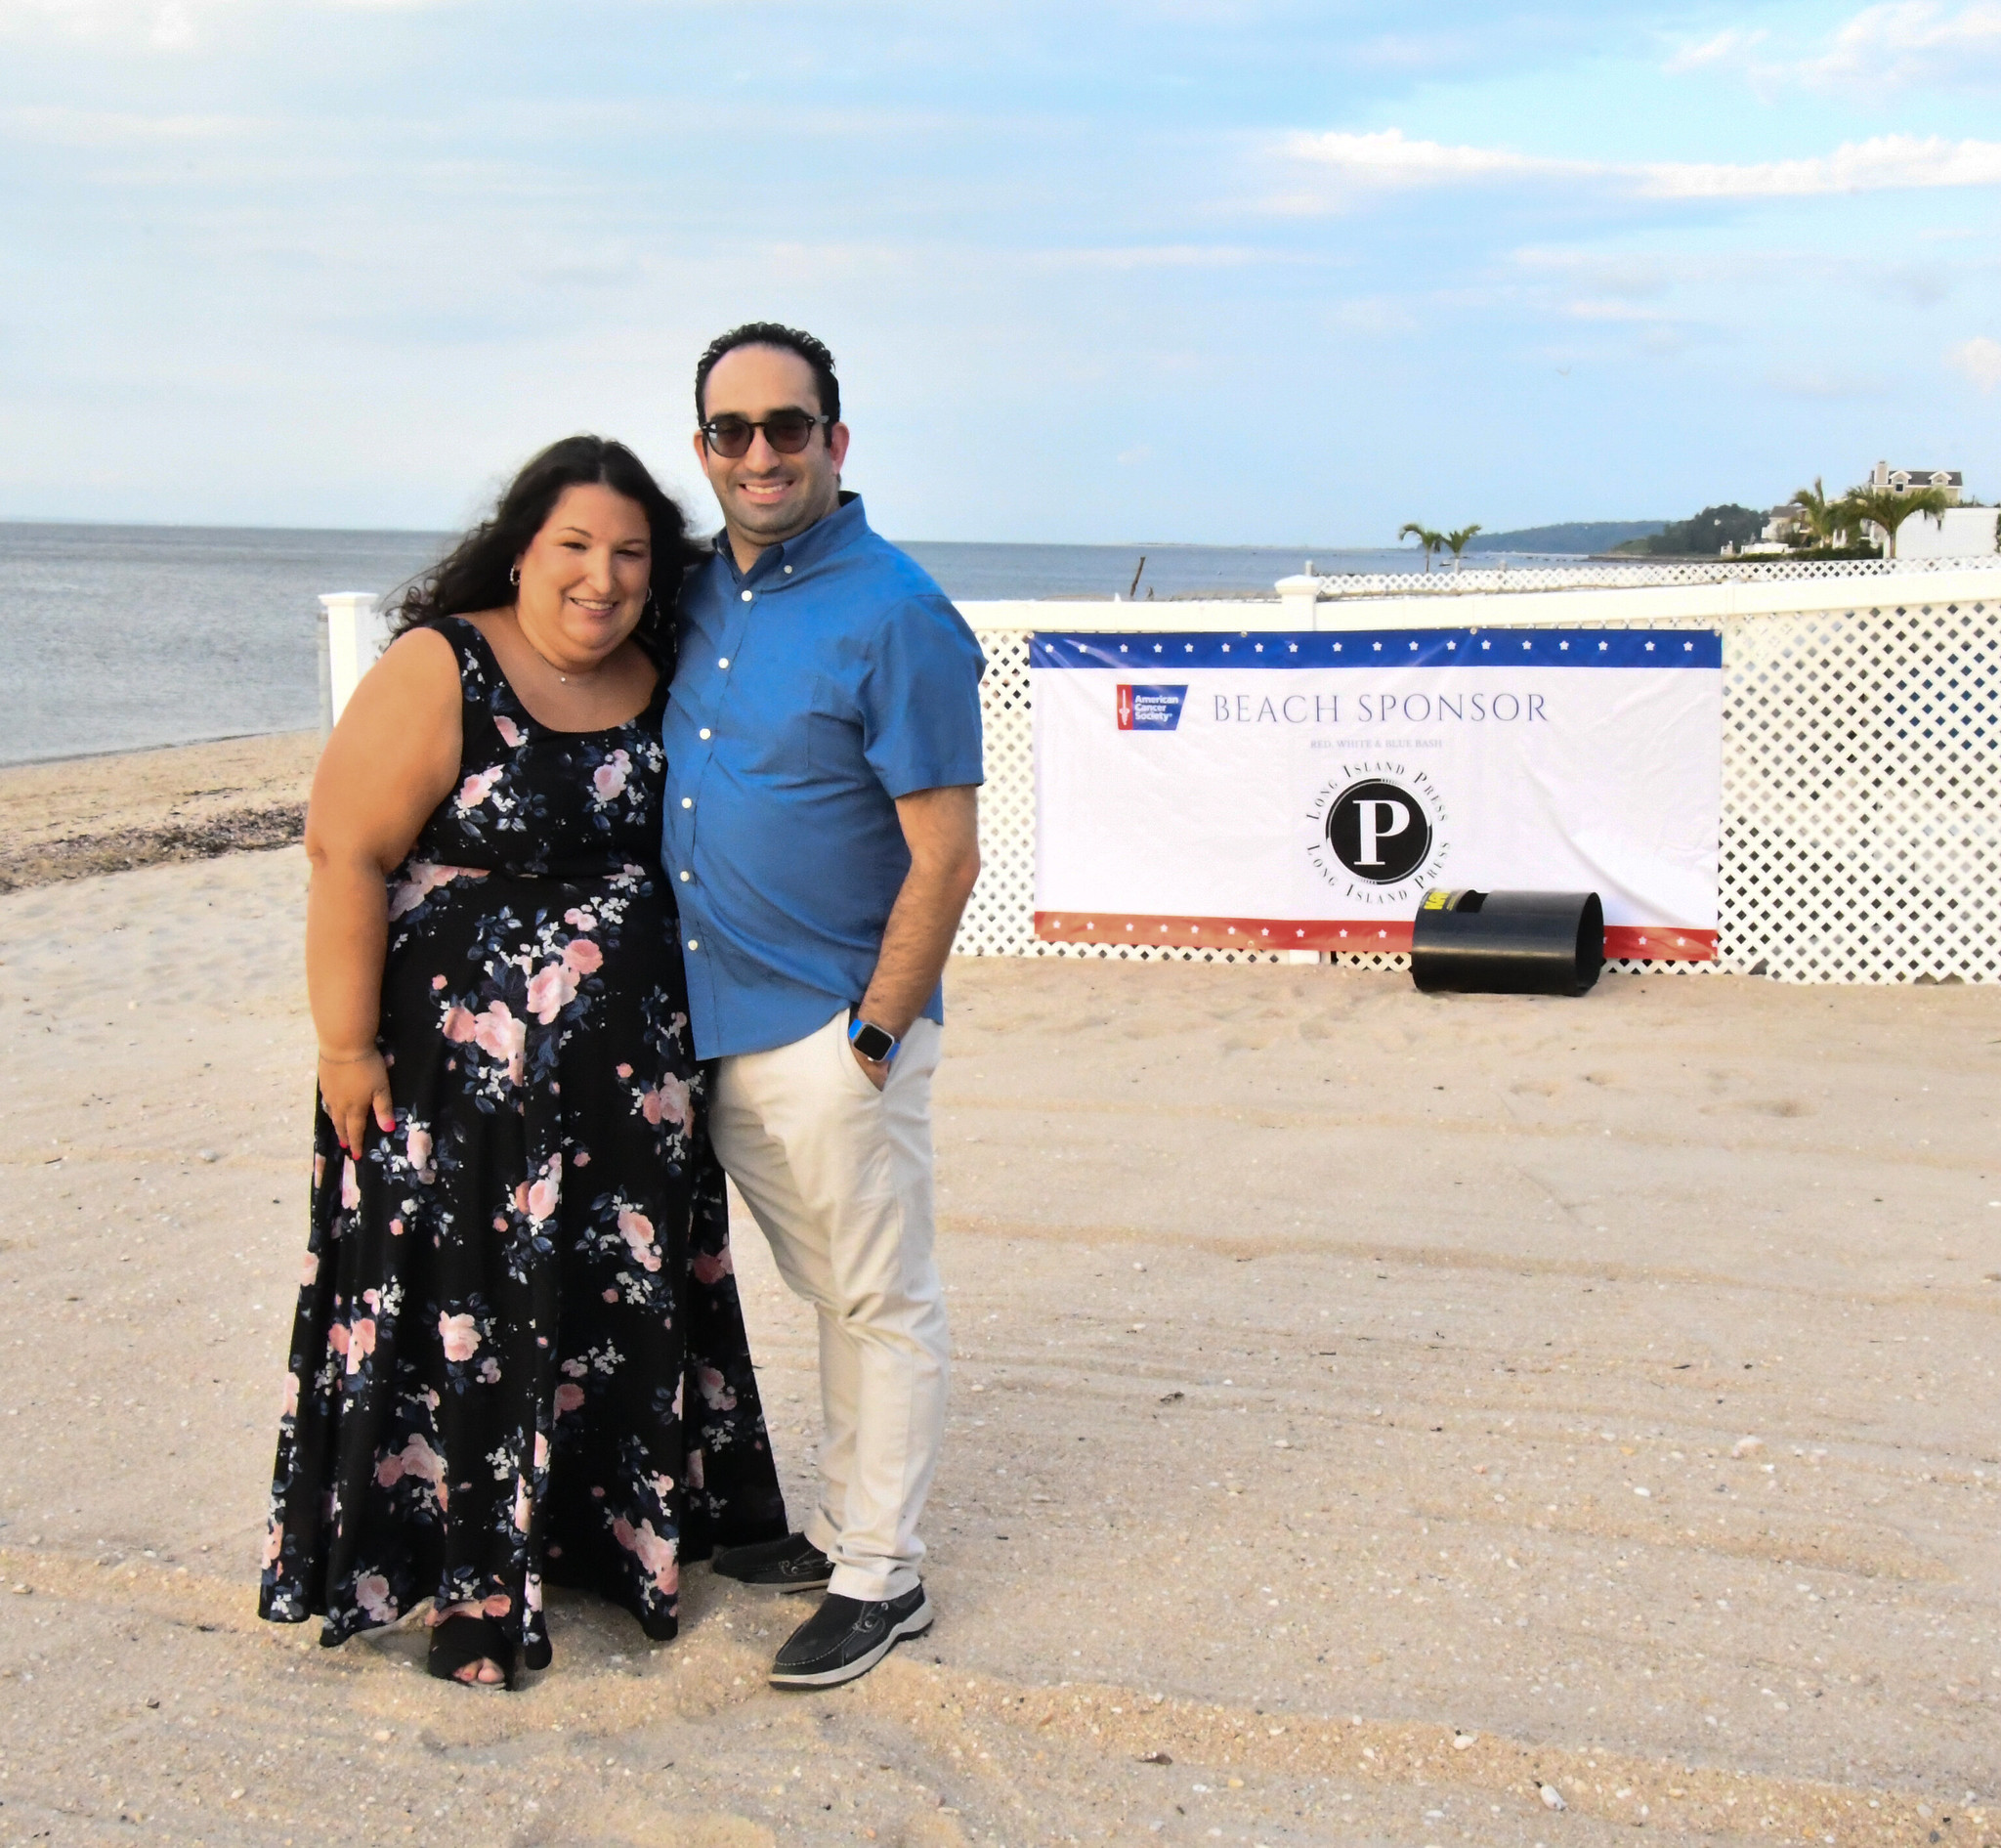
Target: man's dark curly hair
(771, 333)
(474, 574)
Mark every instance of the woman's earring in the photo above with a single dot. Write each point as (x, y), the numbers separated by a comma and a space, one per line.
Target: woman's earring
(514, 574)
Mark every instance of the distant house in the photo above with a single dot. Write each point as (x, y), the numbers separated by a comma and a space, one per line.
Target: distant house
(1782, 528)
(1785, 531)
(1904, 481)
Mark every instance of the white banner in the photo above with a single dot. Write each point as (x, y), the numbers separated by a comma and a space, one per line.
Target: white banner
(1305, 791)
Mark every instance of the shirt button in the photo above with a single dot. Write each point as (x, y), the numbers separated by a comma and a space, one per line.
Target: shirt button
(692, 944)
(748, 594)
(686, 875)
(724, 661)
(788, 570)
(686, 802)
(706, 732)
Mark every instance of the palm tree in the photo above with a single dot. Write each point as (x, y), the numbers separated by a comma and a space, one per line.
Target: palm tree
(1826, 521)
(1457, 542)
(1884, 507)
(1425, 537)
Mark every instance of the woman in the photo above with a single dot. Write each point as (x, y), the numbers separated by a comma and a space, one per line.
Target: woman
(518, 1356)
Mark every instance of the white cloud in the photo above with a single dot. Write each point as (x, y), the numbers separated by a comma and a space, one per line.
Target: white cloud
(63, 12)
(1886, 162)
(1895, 279)
(1910, 42)
(1151, 257)
(1731, 43)
(1387, 158)
(1883, 163)
(1372, 316)
(1652, 329)
(168, 25)
(1979, 358)
(56, 126)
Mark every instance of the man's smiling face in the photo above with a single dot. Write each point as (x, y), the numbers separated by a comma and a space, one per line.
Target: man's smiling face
(766, 497)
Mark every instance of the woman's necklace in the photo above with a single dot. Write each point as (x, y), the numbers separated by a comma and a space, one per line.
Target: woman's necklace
(545, 660)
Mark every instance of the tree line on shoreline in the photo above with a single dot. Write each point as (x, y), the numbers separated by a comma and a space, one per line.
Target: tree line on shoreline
(1824, 526)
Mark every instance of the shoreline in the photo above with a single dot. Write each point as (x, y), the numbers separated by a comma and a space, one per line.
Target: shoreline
(145, 750)
(68, 818)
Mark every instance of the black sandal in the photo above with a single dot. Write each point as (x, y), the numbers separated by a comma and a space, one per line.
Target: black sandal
(459, 1642)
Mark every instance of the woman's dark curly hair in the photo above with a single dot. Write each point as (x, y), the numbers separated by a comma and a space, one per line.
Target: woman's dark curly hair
(474, 574)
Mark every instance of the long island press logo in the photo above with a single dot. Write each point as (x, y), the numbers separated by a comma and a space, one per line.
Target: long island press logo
(1379, 833)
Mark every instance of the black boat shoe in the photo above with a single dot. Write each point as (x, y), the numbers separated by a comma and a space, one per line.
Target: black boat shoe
(794, 1564)
(846, 1637)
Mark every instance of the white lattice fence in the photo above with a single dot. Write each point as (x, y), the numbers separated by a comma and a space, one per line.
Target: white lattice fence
(1487, 580)
(1000, 917)
(1862, 795)
(1861, 825)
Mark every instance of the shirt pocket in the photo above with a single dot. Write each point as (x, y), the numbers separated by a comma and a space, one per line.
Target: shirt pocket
(834, 734)
(773, 734)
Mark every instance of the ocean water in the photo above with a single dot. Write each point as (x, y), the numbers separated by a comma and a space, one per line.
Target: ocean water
(119, 637)
(982, 572)
(123, 637)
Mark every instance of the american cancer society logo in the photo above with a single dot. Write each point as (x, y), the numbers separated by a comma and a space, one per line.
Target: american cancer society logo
(1150, 708)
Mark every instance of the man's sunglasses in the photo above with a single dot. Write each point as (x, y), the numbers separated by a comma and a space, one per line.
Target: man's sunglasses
(787, 430)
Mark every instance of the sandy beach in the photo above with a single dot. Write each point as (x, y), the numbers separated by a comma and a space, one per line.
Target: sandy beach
(127, 809)
(1377, 1419)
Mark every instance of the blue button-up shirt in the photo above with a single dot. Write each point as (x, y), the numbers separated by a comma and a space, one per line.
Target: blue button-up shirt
(811, 692)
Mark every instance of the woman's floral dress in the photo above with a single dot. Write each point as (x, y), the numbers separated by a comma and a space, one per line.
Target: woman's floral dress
(518, 1356)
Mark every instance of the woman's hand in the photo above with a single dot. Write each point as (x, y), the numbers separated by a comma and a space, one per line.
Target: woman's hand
(352, 1088)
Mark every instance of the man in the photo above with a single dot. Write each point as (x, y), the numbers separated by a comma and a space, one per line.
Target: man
(823, 748)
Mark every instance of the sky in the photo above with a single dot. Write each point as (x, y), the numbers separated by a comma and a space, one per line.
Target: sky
(1284, 271)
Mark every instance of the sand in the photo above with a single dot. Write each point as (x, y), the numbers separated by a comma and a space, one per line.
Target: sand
(137, 809)
(1370, 1409)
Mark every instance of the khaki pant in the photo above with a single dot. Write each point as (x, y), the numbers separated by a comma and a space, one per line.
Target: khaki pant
(838, 1175)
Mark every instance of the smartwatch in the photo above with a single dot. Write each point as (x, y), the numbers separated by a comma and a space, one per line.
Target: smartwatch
(872, 1042)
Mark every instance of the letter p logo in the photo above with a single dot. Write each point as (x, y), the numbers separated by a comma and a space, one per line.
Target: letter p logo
(1379, 831)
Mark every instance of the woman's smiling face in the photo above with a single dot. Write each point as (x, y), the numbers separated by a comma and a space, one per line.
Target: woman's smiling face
(586, 575)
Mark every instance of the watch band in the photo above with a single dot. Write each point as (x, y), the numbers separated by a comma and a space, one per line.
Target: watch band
(875, 1044)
